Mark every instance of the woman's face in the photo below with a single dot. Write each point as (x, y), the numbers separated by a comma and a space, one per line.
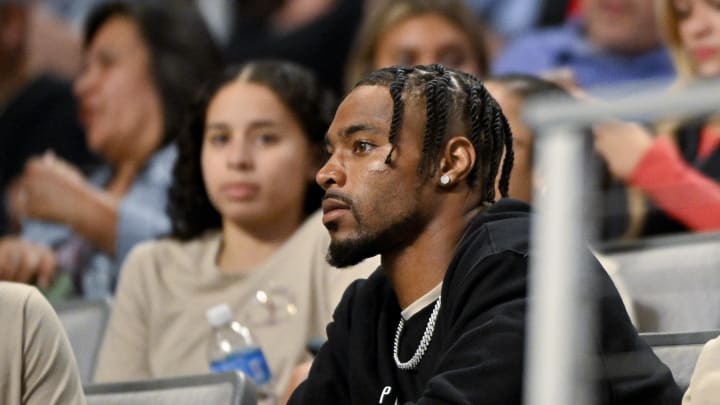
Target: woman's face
(699, 29)
(119, 105)
(521, 175)
(424, 40)
(256, 160)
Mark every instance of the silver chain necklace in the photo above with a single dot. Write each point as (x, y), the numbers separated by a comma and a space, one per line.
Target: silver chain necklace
(424, 342)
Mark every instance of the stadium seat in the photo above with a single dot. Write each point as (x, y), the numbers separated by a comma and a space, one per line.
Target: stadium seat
(674, 281)
(231, 388)
(679, 351)
(84, 323)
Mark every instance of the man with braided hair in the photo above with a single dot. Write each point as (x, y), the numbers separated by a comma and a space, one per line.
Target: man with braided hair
(413, 158)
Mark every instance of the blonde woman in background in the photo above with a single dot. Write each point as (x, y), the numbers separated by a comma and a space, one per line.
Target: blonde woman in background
(673, 178)
(417, 32)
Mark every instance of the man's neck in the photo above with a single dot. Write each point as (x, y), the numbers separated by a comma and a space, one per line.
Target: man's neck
(418, 268)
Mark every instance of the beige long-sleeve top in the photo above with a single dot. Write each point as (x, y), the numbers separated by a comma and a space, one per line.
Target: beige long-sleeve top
(704, 386)
(158, 326)
(37, 365)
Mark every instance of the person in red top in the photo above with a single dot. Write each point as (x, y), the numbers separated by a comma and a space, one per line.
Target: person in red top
(677, 171)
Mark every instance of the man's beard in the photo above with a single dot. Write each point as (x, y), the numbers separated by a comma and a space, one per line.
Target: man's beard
(396, 235)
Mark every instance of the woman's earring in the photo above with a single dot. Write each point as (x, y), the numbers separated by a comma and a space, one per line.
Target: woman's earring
(444, 179)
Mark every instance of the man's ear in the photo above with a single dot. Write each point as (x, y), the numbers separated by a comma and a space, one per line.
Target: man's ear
(458, 160)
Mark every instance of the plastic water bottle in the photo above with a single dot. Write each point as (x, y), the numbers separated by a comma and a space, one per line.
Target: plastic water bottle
(232, 347)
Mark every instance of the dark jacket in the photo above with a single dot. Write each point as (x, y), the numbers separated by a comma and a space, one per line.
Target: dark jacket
(477, 350)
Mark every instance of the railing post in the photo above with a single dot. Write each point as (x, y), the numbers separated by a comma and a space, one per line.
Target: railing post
(559, 367)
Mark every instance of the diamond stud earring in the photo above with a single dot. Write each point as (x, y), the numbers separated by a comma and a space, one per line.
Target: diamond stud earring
(444, 179)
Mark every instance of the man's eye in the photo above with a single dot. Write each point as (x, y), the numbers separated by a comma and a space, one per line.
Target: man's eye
(362, 147)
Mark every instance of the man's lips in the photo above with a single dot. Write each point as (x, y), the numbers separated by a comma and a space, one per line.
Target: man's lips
(333, 209)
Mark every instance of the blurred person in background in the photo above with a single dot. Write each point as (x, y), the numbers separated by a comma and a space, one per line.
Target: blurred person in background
(672, 178)
(316, 34)
(509, 18)
(37, 109)
(512, 91)
(37, 365)
(611, 42)
(415, 32)
(54, 43)
(142, 63)
(72, 12)
(245, 220)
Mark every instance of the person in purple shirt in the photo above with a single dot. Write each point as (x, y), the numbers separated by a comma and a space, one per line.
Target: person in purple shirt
(613, 42)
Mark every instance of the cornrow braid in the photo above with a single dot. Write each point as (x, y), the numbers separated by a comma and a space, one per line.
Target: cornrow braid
(504, 183)
(502, 140)
(430, 126)
(396, 91)
(496, 142)
(477, 123)
(436, 126)
(451, 93)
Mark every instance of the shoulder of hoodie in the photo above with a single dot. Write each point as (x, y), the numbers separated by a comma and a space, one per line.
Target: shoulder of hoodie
(503, 227)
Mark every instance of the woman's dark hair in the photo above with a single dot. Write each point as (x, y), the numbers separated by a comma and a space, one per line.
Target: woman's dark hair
(182, 51)
(189, 207)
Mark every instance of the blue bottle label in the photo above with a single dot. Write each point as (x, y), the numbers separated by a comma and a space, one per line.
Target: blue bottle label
(251, 362)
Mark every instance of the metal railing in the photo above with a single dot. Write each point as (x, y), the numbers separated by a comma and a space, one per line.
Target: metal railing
(559, 360)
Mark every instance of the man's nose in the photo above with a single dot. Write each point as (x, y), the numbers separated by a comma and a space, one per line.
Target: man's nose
(331, 173)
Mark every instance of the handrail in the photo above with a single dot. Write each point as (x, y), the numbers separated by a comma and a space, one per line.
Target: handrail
(558, 321)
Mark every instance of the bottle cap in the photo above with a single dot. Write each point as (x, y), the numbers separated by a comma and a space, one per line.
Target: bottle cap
(219, 315)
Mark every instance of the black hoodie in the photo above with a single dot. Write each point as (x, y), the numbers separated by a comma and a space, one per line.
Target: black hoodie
(477, 348)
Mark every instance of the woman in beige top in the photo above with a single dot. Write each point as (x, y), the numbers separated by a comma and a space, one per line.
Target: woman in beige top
(37, 365)
(244, 233)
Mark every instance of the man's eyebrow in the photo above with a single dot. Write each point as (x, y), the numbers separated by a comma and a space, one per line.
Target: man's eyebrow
(353, 129)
